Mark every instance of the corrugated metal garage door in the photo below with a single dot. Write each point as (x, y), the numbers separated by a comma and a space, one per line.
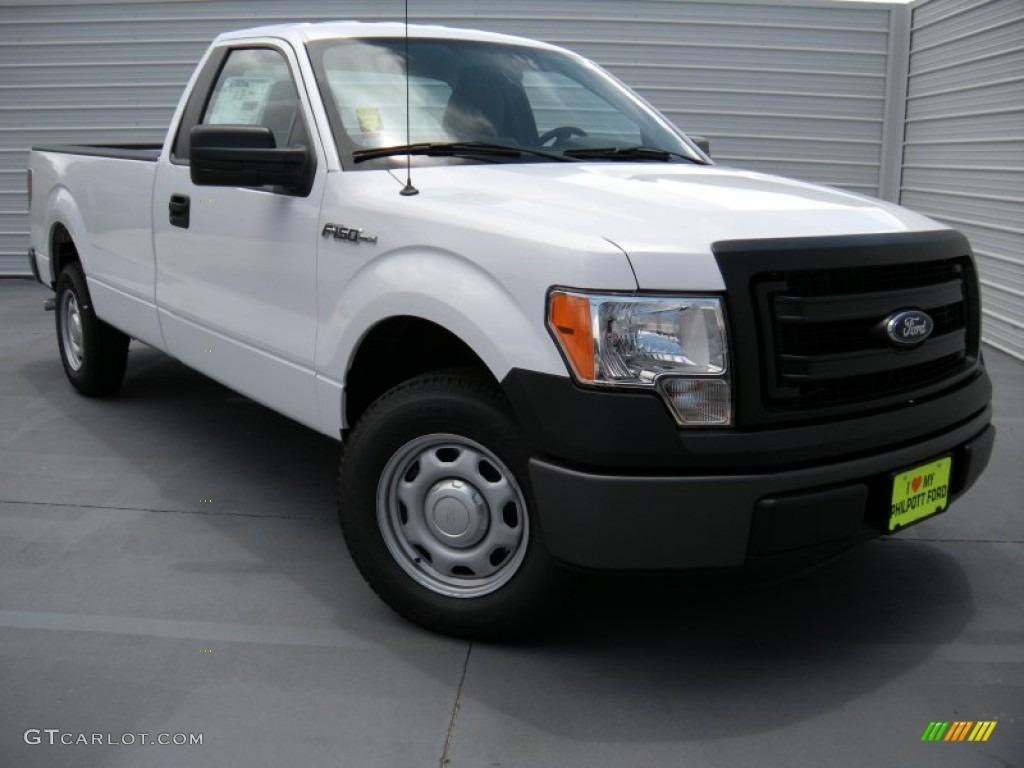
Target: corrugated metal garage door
(794, 88)
(964, 149)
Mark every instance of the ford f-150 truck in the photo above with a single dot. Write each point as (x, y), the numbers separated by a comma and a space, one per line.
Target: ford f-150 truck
(549, 332)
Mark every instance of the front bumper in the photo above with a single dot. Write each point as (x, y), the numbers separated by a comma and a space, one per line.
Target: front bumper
(729, 508)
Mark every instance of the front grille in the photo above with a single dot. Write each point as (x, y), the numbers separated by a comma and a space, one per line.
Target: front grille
(808, 317)
(824, 336)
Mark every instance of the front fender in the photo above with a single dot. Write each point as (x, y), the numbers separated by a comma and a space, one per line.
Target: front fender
(447, 290)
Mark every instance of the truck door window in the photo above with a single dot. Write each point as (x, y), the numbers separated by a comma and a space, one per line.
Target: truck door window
(255, 87)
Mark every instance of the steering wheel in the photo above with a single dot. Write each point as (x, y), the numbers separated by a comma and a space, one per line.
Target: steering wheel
(561, 135)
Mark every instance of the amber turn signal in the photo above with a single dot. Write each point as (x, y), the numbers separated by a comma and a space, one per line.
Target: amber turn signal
(569, 318)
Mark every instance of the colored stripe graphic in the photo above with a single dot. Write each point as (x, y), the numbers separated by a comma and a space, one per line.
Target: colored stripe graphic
(982, 730)
(958, 730)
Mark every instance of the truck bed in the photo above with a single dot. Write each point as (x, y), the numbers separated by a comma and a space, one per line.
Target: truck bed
(149, 153)
(101, 196)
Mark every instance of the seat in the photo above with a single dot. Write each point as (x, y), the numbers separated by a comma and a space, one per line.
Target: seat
(475, 110)
(280, 110)
(489, 106)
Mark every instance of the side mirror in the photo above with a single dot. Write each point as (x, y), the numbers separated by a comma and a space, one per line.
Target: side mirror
(702, 143)
(246, 156)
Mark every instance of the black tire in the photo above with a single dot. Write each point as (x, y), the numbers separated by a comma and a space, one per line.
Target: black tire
(471, 413)
(94, 354)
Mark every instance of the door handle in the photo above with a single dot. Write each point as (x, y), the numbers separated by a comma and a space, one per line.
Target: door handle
(178, 210)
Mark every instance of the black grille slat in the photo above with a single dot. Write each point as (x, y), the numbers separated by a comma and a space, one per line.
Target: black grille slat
(793, 369)
(825, 338)
(861, 305)
(869, 387)
(890, 277)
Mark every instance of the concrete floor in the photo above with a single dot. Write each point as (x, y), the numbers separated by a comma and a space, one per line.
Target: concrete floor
(170, 563)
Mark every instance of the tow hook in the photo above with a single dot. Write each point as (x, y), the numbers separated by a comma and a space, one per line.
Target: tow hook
(50, 303)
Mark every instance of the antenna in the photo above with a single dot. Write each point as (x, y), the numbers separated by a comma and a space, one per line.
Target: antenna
(408, 190)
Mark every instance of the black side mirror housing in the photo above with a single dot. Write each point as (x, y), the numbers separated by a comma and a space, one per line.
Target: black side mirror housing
(703, 144)
(247, 156)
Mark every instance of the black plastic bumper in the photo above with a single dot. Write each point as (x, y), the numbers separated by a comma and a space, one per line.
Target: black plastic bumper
(629, 431)
(731, 498)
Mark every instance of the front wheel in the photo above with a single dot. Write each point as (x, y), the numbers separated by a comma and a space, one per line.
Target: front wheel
(436, 508)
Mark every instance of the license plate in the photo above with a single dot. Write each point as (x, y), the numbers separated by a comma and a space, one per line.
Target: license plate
(919, 493)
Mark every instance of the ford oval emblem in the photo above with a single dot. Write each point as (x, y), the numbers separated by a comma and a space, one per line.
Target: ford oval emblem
(908, 328)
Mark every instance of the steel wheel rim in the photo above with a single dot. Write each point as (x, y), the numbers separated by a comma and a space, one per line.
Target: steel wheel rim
(71, 330)
(452, 516)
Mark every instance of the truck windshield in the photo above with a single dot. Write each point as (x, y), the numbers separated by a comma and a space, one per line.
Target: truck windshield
(467, 95)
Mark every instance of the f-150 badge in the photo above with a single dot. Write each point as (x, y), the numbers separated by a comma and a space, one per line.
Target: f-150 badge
(350, 234)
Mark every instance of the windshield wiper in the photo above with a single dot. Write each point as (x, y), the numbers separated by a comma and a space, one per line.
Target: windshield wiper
(453, 148)
(627, 153)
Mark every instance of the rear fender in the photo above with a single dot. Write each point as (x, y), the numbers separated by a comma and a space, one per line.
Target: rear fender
(63, 210)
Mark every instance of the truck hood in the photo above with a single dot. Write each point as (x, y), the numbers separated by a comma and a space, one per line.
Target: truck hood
(664, 217)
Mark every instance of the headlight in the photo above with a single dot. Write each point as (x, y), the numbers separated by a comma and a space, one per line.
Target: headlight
(674, 345)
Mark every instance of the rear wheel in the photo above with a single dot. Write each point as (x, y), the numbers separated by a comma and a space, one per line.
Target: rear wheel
(436, 508)
(94, 353)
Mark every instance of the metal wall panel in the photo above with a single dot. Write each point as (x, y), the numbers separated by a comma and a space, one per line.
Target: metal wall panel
(963, 157)
(796, 87)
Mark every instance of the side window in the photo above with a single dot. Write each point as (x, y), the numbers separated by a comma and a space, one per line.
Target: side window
(557, 100)
(255, 87)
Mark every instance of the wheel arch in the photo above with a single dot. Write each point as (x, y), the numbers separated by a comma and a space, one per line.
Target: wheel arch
(396, 349)
(63, 250)
(66, 233)
(469, 318)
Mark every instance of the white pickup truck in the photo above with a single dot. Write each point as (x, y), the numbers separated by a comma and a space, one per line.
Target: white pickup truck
(549, 331)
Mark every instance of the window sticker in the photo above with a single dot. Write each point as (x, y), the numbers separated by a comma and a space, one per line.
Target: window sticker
(369, 119)
(240, 101)
(383, 124)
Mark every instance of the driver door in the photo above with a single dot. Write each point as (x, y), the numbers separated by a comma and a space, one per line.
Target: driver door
(236, 266)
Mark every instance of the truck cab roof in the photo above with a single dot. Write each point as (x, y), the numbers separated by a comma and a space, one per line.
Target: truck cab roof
(301, 33)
